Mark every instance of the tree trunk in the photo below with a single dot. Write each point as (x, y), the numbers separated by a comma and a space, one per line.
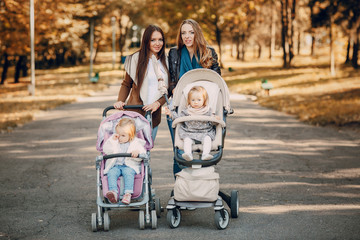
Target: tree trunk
(5, 68)
(218, 40)
(237, 45)
(332, 54)
(291, 38)
(18, 68)
(273, 33)
(24, 67)
(354, 60)
(122, 36)
(242, 52)
(97, 48)
(284, 32)
(259, 50)
(232, 44)
(312, 43)
(348, 49)
(298, 42)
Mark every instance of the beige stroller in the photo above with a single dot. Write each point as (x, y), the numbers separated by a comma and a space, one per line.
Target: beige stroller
(197, 185)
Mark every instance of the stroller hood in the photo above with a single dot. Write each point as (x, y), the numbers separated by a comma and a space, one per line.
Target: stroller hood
(107, 128)
(202, 74)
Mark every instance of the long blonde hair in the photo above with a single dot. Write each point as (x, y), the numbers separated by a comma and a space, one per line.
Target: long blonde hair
(200, 44)
(129, 126)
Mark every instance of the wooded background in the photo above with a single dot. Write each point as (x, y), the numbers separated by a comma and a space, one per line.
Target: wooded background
(62, 28)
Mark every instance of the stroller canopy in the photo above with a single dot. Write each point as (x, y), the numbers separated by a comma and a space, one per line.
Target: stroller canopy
(107, 128)
(202, 74)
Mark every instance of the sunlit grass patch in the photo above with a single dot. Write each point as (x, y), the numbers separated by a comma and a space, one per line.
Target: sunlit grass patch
(307, 90)
(53, 87)
(340, 108)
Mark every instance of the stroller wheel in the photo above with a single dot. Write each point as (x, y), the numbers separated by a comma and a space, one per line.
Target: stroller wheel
(173, 217)
(93, 222)
(221, 222)
(157, 207)
(141, 220)
(153, 219)
(106, 221)
(234, 204)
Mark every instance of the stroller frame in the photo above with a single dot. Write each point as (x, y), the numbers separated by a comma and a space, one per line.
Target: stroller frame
(149, 207)
(173, 207)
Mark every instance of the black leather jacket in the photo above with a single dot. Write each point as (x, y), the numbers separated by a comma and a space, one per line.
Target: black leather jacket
(174, 66)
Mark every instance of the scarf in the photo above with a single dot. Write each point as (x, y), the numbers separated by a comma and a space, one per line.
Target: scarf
(198, 111)
(185, 63)
(130, 66)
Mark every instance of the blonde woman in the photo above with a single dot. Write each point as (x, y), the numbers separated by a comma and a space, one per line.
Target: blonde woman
(191, 52)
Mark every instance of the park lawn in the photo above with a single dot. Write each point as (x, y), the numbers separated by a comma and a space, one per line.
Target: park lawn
(53, 88)
(307, 90)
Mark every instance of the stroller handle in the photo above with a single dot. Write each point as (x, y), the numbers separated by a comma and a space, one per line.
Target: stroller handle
(125, 107)
(143, 156)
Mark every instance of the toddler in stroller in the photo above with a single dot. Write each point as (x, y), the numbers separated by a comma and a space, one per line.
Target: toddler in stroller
(123, 141)
(139, 196)
(194, 130)
(197, 184)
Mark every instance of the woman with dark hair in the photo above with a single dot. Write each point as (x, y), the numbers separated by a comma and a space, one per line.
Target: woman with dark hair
(191, 52)
(146, 77)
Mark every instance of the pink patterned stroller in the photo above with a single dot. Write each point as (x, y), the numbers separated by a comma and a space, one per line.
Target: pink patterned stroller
(143, 197)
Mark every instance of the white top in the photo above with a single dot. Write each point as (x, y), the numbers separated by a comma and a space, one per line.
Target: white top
(150, 76)
(152, 84)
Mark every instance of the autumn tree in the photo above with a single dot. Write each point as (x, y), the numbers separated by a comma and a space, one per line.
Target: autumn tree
(172, 13)
(57, 33)
(288, 10)
(14, 30)
(350, 17)
(240, 25)
(324, 15)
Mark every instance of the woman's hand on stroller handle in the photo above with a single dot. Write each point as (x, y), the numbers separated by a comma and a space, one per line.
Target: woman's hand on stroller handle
(167, 111)
(152, 107)
(119, 105)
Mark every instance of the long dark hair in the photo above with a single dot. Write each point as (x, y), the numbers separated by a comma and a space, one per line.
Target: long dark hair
(145, 53)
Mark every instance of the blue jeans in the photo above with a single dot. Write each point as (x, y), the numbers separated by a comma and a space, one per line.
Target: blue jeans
(121, 170)
(154, 132)
(176, 167)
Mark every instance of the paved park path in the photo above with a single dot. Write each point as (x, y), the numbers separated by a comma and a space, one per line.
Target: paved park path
(295, 181)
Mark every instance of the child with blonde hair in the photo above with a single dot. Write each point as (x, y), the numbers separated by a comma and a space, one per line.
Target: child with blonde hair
(191, 131)
(123, 141)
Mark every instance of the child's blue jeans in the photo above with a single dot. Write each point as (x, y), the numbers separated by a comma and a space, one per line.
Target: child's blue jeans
(121, 170)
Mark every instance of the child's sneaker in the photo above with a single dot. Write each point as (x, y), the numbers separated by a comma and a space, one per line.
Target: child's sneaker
(112, 196)
(187, 156)
(126, 198)
(206, 157)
